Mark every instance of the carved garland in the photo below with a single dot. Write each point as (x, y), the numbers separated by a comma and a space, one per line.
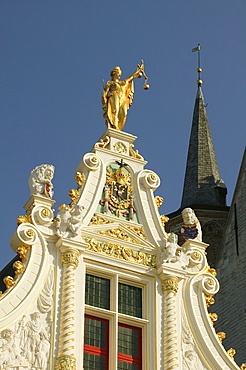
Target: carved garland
(118, 251)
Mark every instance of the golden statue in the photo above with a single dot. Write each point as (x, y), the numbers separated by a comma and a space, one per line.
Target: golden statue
(117, 96)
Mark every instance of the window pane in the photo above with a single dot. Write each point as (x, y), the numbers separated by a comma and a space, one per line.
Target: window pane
(128, 341)
(93, 362)
(95, 333)
(97, 291)
(127, 366)
(130, 300)
(96, 343)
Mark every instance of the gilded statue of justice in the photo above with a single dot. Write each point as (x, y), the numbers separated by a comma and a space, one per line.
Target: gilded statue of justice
(117, 96)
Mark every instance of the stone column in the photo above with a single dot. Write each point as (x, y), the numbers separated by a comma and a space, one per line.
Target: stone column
(66, 344)
(170, 289)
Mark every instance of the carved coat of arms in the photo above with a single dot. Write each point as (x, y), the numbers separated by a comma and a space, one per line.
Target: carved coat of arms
(119, 188)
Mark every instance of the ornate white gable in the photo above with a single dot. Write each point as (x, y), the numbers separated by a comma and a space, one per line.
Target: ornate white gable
(112, 228)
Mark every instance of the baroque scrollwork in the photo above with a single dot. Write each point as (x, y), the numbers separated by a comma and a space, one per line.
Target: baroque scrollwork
(103, 143)
(150, 180)
(124, 253)
(135, 153)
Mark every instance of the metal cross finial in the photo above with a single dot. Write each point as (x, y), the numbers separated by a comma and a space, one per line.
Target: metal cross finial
(199, 69)
(121, 163)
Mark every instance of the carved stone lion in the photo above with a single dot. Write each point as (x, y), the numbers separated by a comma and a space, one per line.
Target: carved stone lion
(40, 180)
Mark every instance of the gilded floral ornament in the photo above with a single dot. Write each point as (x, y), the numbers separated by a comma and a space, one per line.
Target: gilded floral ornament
(74, 195)
(231, 353)
(211, 271)
(120, 147)
(103, 143)
(134, 153)
(80, 178)
(120, 252)
(169, 284)
(209, 300)
(24, 219)
(164, 220)
(118, 233)
(9, 282)
(213, 317)
(221, 335)
(22, 252)
(65, 363)
(99, 220)
(243, 367)
(158, 201)
(138, 230)
(70, 258)
(19, 267)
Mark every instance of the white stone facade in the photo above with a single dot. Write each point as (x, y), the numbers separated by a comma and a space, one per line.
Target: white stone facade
(112, 229)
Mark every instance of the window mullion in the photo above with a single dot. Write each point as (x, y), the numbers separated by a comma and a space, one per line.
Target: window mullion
(113, 328)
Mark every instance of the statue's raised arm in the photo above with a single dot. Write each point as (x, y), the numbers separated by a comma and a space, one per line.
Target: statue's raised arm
(117, 96)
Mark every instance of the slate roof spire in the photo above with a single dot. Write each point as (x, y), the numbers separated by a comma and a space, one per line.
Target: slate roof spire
(202, 183)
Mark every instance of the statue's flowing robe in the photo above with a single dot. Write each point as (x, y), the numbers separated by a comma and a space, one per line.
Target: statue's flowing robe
(117, 102)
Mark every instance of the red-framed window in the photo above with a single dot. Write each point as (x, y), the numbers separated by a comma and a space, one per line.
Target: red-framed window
(129, 347)
(96, 343)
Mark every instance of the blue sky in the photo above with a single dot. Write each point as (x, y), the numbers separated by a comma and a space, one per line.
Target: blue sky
(54, 55)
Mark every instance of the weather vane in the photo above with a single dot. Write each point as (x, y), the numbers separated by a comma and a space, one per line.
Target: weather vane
(199, 69)
(117, 96)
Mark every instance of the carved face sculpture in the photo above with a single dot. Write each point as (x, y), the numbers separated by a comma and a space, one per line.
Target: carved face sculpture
(189, 216)
(49, 173)
(7, 334)
(173, 238)
(116, 73)
(35, 316)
